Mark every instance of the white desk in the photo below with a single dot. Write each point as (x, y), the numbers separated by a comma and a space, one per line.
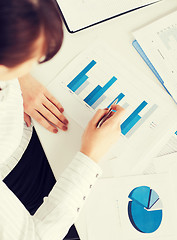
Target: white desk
(117, 33)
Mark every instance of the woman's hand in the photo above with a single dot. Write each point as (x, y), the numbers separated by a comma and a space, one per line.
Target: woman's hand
(41, 105)
(97, 141)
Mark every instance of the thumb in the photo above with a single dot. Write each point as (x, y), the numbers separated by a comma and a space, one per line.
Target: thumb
(119, 112)
(27, 119)
(115, 117)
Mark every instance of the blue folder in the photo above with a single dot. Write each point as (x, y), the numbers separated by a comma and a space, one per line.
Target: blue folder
(148, 62)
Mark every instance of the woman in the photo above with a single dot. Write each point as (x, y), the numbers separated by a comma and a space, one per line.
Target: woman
(30, 32)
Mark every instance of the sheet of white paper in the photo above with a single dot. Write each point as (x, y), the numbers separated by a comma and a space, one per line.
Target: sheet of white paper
(166, 158)
(165, 163)
(149, 121)
(102, 214)
(82, 13)
(159, 42)
(170, 147)
(107, 208)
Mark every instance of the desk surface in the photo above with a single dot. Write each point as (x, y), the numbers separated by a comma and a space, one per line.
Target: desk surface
(116, 33)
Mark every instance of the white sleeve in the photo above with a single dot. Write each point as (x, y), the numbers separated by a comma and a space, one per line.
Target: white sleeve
(11, 119)
(60, 210)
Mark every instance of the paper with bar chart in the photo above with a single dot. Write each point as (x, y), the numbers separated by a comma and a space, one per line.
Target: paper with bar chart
(95, 79)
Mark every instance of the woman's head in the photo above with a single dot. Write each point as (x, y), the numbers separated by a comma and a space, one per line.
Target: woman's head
(29, 30)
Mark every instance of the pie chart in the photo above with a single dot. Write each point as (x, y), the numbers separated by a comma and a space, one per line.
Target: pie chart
(145, 209)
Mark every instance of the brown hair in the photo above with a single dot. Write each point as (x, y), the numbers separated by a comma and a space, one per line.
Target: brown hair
(21, 23)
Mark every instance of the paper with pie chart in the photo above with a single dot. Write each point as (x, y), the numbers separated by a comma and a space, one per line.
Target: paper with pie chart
(147, 207)
(132, 208)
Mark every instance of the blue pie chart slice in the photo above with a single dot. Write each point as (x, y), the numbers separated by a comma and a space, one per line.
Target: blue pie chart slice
(140, 214)
(154, 197)
(141, 195)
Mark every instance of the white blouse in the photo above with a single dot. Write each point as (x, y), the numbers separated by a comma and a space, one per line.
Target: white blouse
(61, 208)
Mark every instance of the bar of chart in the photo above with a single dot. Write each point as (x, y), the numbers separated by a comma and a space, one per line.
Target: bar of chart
(98, 94)
(80, 82)
(81, 78)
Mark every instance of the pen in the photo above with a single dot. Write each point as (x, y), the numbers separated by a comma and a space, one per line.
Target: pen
(103, 119)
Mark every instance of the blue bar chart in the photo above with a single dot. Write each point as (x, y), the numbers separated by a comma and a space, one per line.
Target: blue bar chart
(130, 122)
(99, 91)
(96, 94)
(142, 120)
(81, 78)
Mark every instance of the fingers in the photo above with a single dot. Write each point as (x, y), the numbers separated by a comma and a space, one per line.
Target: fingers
(53, 100)
(115, 117)
(99, 115)
(55, 111)
(41, 120)
(120, 111)
(52, 118)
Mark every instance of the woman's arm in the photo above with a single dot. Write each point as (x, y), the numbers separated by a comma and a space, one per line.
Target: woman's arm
(60, 210)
